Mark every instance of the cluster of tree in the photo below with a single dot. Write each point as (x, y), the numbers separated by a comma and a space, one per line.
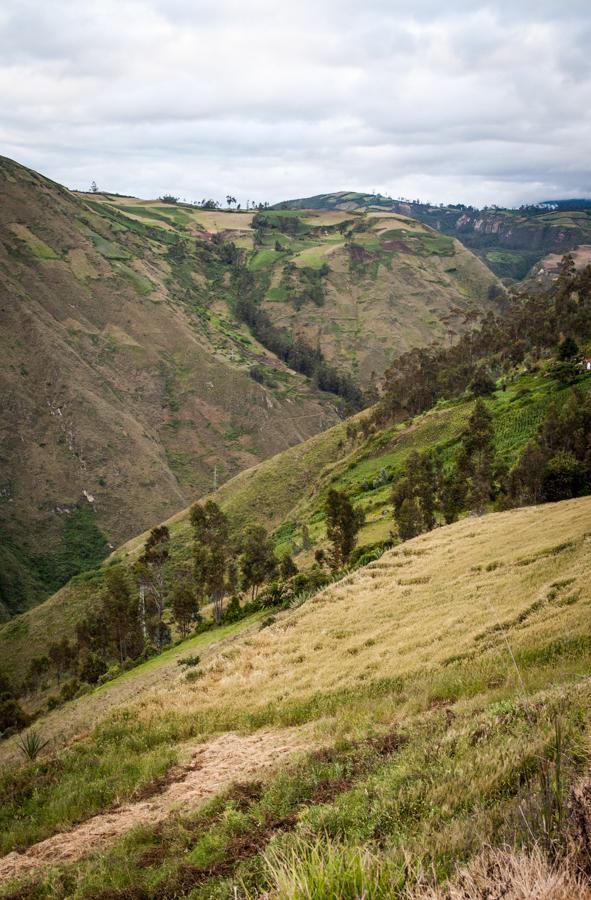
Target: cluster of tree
(222, 562)
(428, 493)
(528, 326)
(343, 522)
(556, 466)
(294, 351)
(290, 225)
(305, 284)
(132, 615)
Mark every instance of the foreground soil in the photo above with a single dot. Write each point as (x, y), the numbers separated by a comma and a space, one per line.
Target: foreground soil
(211, 767)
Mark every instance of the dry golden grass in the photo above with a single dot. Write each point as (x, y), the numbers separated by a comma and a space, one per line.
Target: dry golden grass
(507, 875)
(437, 597)
(439, 639)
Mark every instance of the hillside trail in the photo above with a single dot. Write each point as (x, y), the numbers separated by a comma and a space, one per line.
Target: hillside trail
(213, 766)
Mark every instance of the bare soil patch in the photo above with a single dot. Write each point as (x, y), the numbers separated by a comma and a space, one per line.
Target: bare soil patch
(213, 766)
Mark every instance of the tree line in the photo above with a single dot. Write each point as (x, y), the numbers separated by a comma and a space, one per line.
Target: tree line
(229, 574)
(556, 465)
(529, 325)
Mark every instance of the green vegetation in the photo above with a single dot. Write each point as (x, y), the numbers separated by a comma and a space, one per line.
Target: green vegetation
(108, 249)
(355, 459)
(82, 547)
(412, 767)
(511, 242)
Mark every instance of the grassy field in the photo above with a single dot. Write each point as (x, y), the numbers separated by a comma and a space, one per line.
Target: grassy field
(433, 681)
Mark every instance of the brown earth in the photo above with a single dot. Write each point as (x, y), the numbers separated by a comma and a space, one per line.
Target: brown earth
(120, 388)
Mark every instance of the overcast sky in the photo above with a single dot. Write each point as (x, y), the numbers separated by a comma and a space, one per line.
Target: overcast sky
(272, 99)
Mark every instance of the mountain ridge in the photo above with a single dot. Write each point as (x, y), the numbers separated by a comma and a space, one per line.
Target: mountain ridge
(135, 378)
(509, 241)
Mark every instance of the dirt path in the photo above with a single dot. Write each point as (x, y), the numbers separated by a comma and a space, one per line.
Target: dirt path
(213, 766)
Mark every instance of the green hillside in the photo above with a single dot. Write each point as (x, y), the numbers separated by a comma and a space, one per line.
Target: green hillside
(288, 491)
(371, 720)
(363, 288)
(150, 348)
(509, 241)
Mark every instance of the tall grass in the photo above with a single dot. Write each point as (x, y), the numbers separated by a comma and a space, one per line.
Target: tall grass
(325, 870)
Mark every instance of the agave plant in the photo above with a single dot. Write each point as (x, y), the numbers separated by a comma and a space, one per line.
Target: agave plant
(31, 744)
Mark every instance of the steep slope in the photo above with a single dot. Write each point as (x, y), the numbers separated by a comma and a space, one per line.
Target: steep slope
(122, 387)
(150, 350)
(362, 288)
(509, 241)
(288, 491)
(434, 678)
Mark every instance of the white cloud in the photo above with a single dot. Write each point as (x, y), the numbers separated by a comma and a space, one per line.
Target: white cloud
(465, 101)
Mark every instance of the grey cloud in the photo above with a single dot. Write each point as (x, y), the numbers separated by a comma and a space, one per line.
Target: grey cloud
(475, 101)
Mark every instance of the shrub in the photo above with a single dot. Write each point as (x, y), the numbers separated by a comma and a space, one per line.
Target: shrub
(92, 667)
(12, 715)
(233, 611)
(111, 673)
(69, 689)
(564, 477)
(31, 745)
(189, 661)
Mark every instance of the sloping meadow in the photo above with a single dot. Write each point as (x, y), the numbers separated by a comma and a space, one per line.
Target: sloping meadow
(445, 684)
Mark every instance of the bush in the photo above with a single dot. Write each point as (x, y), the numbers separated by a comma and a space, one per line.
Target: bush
(189, 661)
(12, 715)
(233, 611)
(361, 556)
(111, 673)
(312, 580)
(277, 594)
(194, 675)
(69, 689)
(202, 627)
(92, 667)
(564, 477)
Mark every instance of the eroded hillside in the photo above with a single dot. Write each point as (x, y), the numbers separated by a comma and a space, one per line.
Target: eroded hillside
(124, 386)
(151, 349)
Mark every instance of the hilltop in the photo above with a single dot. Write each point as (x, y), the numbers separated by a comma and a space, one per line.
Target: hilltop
(510, 241)
(411, 708)
(151, 348)
(362, 288)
